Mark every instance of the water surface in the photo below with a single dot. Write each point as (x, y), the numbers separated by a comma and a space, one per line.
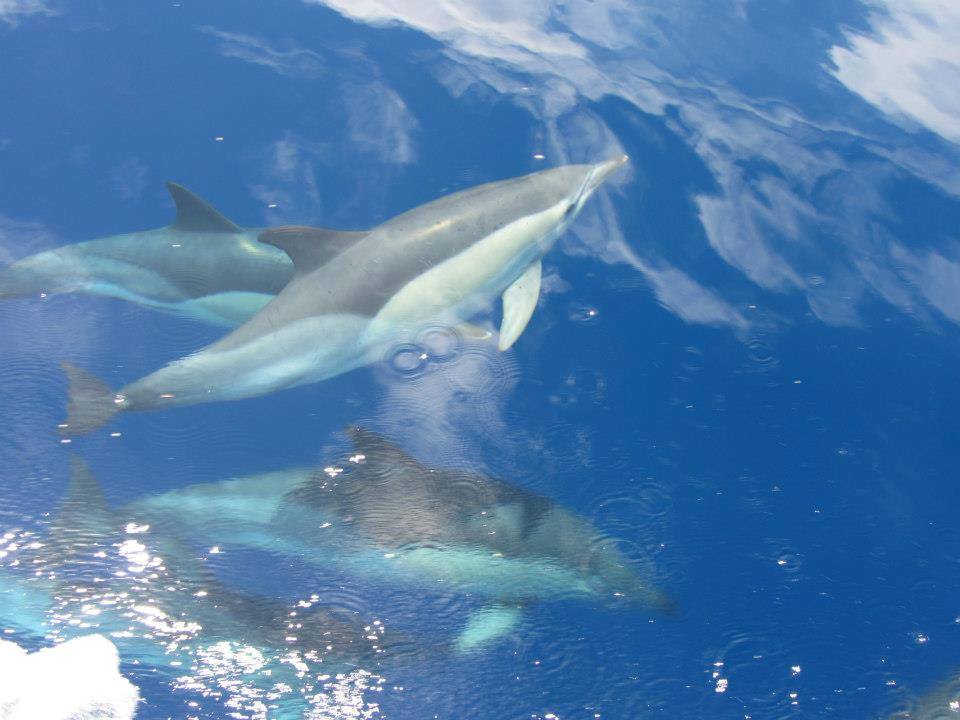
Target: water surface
(743, 363)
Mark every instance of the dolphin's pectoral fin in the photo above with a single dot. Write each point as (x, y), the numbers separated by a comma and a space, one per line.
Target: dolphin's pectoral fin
(309, 247)
(519, 302)
(194, 214)
(487, 625)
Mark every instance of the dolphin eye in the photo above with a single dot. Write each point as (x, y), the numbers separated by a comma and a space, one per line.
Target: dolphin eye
(570, 210)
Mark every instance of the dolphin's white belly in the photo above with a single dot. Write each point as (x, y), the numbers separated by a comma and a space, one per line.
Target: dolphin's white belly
(305, 351)
(465, 570)
(459, 287)
(483, 572)
(232, 517)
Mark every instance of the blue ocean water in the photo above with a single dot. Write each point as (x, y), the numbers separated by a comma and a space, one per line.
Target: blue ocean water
(743, 363)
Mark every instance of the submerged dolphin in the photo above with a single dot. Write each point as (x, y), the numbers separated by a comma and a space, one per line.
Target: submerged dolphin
(202, 266)
(97, 571)
(939, 703)
(355, 294)
(390, 519)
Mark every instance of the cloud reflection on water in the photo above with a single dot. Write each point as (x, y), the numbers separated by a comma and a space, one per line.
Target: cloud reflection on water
(909, 66)
(12, 10)
(291, 60)
(769, 159)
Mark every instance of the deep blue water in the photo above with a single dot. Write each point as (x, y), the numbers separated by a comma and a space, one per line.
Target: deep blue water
(743, 363)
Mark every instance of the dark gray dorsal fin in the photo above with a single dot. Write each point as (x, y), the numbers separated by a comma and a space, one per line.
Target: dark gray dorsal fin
(309, 247)
(195, 214)
(377, 450)
(85, 515)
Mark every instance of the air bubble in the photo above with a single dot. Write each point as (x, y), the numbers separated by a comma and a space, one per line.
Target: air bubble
(408, 360)
(585, 314)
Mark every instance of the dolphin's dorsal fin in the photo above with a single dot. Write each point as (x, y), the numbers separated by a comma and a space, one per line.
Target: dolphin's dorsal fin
(519, 302)
(195, 214)
(85, 516)
(309, 247)
(377, 449)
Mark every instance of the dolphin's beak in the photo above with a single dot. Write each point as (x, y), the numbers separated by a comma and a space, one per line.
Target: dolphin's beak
(601, 171)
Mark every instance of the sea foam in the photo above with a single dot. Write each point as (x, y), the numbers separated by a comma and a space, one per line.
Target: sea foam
(76, 680)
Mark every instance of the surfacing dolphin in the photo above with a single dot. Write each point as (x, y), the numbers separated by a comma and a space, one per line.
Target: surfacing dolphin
(97, 571)
(201, 266)
(355, 294)
(389, 519)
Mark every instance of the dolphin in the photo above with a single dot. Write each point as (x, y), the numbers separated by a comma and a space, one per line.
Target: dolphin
(385, 517)
(939, 703)
(202, 266)
(98, 571)
(356, 294)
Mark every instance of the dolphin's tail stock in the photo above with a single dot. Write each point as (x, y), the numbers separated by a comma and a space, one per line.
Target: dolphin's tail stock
(662, 602)
(90, 402)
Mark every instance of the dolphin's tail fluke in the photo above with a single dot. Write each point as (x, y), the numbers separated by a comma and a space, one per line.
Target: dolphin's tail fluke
(90, 403)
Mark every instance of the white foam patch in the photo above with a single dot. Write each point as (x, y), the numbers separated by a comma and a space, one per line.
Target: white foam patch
(76, 680)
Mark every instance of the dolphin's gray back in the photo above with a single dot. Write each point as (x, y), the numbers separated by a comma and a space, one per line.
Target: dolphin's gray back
(406, 506)
(363, 277)
(390, 499)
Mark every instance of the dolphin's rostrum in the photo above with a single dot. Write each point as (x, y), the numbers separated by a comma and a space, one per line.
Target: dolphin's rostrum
(355, 294)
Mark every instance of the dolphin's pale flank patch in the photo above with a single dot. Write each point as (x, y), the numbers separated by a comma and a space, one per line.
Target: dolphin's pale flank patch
(354, 295)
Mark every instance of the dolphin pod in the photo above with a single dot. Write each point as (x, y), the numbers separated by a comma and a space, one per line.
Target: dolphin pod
(389, 518)
(201, 266)
(386, 518)
(354, 295)
(310, 304)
